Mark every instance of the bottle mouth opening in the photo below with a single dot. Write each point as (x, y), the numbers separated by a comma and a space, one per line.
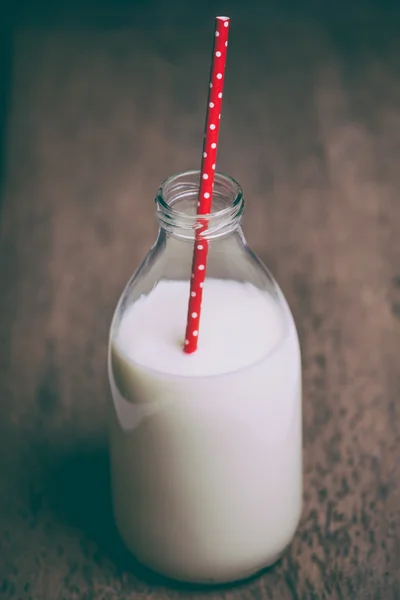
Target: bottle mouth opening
(177, 199)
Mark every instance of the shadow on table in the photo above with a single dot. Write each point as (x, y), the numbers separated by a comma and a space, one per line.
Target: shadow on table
(6, 38)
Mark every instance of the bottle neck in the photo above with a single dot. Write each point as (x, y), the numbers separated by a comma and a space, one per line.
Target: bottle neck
(177, 200)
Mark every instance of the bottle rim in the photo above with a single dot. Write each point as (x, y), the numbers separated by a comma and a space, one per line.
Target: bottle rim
(183, 188)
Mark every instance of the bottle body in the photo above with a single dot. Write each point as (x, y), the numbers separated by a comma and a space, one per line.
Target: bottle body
(206, 449)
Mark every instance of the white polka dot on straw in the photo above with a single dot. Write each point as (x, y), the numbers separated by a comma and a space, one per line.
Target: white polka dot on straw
(212, 126)
(206, 195)
(211, 105)
(218, 53)
(194, 315)
(205, 176)
(213, 145)
(201, 268)
(219, 75)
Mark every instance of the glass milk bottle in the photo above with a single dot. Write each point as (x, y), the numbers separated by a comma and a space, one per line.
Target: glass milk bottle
(206, 448)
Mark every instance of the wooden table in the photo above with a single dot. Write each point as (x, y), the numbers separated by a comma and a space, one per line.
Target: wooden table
(98, 117)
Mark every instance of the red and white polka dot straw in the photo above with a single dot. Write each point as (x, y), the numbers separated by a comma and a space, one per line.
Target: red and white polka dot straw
(214, 106)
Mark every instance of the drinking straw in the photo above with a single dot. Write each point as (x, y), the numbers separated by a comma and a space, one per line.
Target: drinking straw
(207, 174)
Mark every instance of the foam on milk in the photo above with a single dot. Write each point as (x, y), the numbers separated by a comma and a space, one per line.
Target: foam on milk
(206, 448)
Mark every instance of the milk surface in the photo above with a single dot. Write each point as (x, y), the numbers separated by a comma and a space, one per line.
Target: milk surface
(206, 448)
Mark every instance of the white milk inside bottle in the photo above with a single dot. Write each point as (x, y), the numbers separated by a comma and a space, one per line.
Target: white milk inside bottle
(206, 448)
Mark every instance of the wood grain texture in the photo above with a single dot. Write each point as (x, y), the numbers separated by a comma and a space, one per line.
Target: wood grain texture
(311, 129)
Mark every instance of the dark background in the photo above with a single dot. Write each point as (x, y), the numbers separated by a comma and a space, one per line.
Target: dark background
(99, 103)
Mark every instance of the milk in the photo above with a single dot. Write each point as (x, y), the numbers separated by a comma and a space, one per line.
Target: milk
(206, 448)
